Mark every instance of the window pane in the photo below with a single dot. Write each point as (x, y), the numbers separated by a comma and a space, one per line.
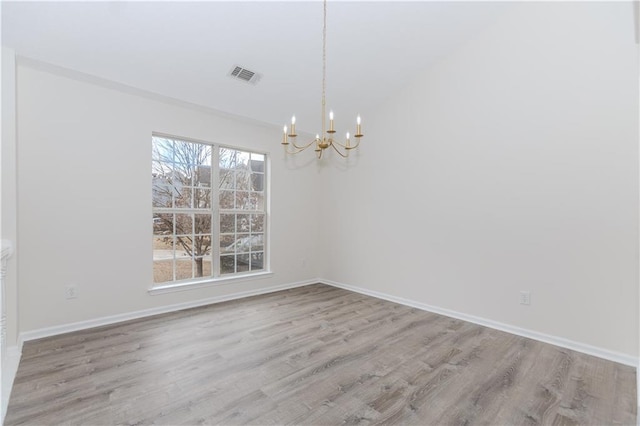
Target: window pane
(257, 162)
(242, 243)
(227, 179)
(257, 182)
(162, 149)
(257, 261)
(226, 199)
(242, 263)
(227, 223)
(242, 160)
(242, 200)
(202, 224)
(159, 168)
(257, 242)
(182, 150)
(257, 223)
(243, 223)
(226, 243)
(243, 180)
(163, 224)
(184, 268)
(202, 245)
(257, 201)
(163, 248)
(184, 246)
(202, 176)
(227, 264)
(204, 158)
(162, 271)
(227, 158)
(188, 177)
(182, 196)
(202, 198)
(162, 191)
(203, 267)
(184, 223)
(233, 159)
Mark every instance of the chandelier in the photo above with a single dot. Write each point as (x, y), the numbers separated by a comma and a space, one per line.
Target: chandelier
(327, 140)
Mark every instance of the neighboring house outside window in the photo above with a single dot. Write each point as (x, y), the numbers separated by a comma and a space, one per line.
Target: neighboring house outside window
(209, 211)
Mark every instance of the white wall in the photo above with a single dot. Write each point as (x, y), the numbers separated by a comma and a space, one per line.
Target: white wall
(511, 165)
(84, 178)
(8, 226)
(9, 188)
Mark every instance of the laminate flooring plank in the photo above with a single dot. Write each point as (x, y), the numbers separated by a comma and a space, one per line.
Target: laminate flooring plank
(624, 402)
(490, 380)
(445, 377)
(314, 355)
(331, 359)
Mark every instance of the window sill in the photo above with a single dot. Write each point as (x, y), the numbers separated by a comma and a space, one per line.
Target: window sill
(209, 282)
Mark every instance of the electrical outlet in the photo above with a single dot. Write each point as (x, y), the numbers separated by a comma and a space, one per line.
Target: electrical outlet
(71, 291)
(525, 297)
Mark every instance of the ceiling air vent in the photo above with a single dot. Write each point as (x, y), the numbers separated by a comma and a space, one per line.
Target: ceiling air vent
(243, 74)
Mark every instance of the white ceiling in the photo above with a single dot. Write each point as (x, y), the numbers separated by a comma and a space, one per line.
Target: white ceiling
(185, 50)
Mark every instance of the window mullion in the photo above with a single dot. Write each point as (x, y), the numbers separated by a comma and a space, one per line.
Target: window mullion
(215, 211)
(174, 243)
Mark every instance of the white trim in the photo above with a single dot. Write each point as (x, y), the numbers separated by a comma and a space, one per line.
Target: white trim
(546, 338)
(9, 370)
(218, 281)
(636, 20)
(112, 319)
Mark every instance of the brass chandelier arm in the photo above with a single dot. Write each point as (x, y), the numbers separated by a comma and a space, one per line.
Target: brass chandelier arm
(303, 147)
(343, 155)
(293, 151)
(296, 148)
(347, 147)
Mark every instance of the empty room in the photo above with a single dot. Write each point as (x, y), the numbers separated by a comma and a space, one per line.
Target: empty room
(320, 212)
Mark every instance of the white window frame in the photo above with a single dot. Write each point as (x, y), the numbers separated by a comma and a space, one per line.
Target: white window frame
(216, 276)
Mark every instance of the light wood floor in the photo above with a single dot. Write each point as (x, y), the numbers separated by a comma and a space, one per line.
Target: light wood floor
(313, 355)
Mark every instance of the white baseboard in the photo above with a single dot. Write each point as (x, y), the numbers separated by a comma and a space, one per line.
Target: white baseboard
(112, 319)
(546, 338)
(12, 359)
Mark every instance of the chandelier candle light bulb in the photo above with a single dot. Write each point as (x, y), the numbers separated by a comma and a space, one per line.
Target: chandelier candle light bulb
(331, 123)
(327, 141)
(358, 127)
(293, 127)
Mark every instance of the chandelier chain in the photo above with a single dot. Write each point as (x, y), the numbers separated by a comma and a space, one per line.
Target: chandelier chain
(324, 65)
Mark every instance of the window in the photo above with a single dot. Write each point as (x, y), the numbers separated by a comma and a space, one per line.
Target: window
(209, 211)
